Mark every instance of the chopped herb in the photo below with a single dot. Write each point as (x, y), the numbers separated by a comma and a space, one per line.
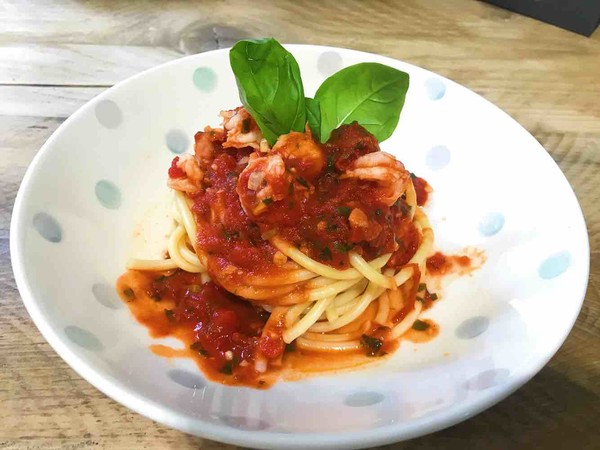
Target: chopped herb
(197, 347)
(360, 145)
(378, 212)
(325, 254)
(419, 325)
(371, 344)
(128, 292)
(419, 299)
(170, 314)
(245, 125)
(291, 347)
(421, 287)
(344, 210)
(156, 296)
(342, 247)
(330, 163)
(227, 368)
(160, 279)
(232, 174)
(433, 296)
(291, 189)
(230, 235)
(331, 227)
(267, 201)
(302, 181)
(412, 176)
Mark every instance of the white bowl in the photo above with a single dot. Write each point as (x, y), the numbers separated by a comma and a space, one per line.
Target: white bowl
(495, 187)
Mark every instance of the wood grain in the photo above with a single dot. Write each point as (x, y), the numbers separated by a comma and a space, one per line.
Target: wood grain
(55, 56)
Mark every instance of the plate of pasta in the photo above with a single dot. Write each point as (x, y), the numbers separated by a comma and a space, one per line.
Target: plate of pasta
(299, 246)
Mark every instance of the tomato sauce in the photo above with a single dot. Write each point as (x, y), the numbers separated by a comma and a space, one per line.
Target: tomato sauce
(422, 189)
(226, 334)
(313, 216)
(220, 331)
(440, 264)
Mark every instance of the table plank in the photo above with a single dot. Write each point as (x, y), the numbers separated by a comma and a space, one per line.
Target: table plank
(76, 65)
(54, 56)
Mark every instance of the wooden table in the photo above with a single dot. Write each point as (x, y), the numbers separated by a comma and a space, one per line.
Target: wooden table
(55, 56)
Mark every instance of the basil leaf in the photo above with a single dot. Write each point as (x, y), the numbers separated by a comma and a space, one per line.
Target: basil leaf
(270, 86)
(313, 115)
(369, 93)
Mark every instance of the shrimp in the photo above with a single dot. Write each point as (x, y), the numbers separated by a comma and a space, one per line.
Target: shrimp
(361, 227)
(188, 170)
(300, 152)
(242, 130)
(264, 180)
(189, 175)
(385, 170)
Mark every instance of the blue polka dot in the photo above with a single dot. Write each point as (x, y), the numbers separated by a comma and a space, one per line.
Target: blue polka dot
(108, 194)
(186, 379)
(438, 157)
(48, 227)
(491, 224)
(554, 265)
(364, 399)
(329, 62)
(205, 79)
(177, 141)
(472, 327)
(106, 295)
(108, 114)
(83, 338)
(487, 379)
(435, 87)
(244, 423)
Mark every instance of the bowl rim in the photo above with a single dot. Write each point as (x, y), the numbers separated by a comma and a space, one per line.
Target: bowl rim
(153, 410)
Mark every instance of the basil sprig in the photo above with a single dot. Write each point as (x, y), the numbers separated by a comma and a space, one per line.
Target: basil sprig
(270, 87)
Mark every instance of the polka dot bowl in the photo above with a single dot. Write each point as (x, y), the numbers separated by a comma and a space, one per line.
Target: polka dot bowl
(496, 189)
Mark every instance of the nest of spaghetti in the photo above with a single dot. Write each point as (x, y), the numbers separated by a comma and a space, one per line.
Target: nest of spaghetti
(328, 241)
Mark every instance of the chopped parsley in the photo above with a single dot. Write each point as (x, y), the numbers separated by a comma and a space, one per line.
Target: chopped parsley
(230, 235)
(343, 210)
(303, 182)
(197, 347)
(419, 325)
(342, 247)
(291, 347)
(372, 345)
(170, 314)
(325, 254)
(227, 368)
(128, 292)
(331, 227)
(330, 163)
(421, 287)
(267, 201)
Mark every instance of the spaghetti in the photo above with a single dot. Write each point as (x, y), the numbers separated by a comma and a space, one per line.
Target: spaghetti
(329, 241)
